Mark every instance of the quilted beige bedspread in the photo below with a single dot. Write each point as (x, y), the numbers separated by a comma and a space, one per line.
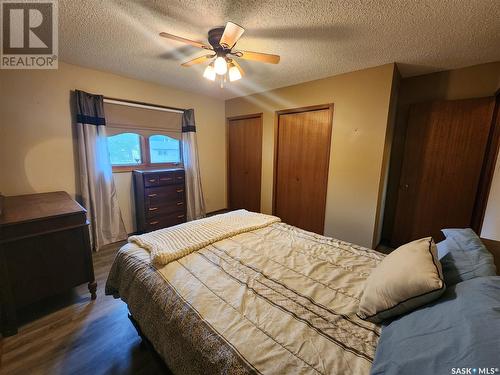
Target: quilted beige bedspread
(168, 244)
(275, 300)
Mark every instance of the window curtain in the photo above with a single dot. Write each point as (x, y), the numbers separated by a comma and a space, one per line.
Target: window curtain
(96, 177)
(195, 202)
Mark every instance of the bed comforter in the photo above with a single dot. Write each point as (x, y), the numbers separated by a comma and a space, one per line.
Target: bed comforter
(275, 300)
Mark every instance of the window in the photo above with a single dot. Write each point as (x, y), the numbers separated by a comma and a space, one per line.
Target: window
(125, 149)
(142, 136)
(129, 151)
(163, 149)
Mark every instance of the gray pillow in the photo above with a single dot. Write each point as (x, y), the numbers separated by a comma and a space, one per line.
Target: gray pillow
(443, 249)
(466, 258)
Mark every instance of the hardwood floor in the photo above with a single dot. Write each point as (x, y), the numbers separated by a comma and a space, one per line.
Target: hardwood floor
(70, 334)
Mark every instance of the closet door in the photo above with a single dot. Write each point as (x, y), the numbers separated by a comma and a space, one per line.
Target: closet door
(444, 152)
(244, 162)
(302, 154)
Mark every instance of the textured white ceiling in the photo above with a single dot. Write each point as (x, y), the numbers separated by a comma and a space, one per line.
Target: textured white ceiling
(315, 39)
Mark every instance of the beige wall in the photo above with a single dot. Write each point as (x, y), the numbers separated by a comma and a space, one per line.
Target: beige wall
(37, 149)
(471, 82)
(361, 106)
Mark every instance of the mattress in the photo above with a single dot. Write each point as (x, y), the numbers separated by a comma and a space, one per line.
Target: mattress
(275, 300)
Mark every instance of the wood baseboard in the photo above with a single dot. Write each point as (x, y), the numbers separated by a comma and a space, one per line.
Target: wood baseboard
(221, 211)
(494, 247)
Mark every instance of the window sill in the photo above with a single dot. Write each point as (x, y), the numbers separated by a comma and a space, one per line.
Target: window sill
(131, 168)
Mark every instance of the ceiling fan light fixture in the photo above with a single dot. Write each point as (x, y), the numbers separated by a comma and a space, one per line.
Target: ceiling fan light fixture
(234, 73)
(209, 72)
(223, 56)
(220, 65)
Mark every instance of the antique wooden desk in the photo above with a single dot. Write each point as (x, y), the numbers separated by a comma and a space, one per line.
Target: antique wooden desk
(44, 250)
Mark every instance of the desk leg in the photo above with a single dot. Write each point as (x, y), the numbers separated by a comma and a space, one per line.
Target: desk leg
(90, 264)
(93, 289)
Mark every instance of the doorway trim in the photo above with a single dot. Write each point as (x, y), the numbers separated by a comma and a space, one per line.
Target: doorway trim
(488, 169)
(329, 107)
(228, 173)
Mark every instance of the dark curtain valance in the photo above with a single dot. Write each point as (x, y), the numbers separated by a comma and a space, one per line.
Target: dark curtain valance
(89, 108)
(188, 124)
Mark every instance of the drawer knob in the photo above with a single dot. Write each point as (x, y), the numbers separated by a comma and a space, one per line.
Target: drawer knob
(152, 195)
(165, 178)
(153, 208)
(153, 222)
(152, 180)
(180, 190)
(180, 178)
(180, 216)
(180, 203)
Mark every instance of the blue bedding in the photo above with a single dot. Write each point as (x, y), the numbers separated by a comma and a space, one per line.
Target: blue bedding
(456, 334)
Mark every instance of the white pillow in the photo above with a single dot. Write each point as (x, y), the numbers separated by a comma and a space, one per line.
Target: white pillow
(407, 278)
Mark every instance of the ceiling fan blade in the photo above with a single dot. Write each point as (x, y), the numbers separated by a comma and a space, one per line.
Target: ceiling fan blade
(258, 56)
(197, 60)
(232, 33)
(238, 66)
(184, 40)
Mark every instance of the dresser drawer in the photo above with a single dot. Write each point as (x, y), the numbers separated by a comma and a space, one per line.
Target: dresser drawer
(166, 209)
(160, 195)
(151, 180)
(179, 177)
(165, 221)
(163, 179)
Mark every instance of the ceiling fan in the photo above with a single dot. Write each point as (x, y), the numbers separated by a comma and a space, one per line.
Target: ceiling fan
(222, 42)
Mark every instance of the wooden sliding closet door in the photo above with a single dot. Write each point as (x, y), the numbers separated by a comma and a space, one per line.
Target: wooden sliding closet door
(302, 154)
(446, 143)
(244, 162)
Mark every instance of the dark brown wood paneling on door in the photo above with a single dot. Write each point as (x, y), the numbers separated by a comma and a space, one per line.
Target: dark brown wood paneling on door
(444, 153)
(244, 162)
(301, 166)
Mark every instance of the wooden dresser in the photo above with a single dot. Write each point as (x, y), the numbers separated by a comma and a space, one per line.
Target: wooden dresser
(159, 199)
(44, 250)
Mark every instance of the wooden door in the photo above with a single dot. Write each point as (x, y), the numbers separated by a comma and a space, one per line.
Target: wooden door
(244, 162)
(444, 153)
(301, 166)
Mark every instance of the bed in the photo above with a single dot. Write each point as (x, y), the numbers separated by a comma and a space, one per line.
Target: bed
(274, 300)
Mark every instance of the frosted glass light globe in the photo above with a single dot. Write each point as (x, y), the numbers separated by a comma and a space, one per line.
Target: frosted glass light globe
(220, 66)
(209, 73)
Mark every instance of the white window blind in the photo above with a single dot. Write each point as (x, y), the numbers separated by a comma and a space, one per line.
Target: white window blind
(123, 117)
